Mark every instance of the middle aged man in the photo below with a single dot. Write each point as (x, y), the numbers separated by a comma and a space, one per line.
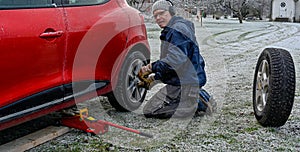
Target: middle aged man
(180, 67)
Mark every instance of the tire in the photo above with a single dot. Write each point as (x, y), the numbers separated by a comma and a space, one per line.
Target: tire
(273, 87)
(127, 96)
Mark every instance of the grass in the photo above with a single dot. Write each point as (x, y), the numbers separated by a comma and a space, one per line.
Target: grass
(250, 129)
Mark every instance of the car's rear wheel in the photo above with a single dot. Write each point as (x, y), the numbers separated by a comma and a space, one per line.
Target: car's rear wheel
(127, 96)
(273, 87)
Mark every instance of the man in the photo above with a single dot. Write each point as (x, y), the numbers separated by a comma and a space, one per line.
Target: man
(180, 67)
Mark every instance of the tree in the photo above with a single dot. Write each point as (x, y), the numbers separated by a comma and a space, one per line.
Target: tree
(138, 4)
(236, 6)
(262, 7)
(239, 8)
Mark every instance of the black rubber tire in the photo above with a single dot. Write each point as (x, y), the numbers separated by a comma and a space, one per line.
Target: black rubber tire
(127, 96)
(274, 87)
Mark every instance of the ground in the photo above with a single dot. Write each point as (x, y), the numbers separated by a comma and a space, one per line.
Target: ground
(231, 51)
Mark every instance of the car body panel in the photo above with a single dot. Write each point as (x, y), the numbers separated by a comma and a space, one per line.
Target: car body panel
(57, 55)
(99, 41)
(26, 58)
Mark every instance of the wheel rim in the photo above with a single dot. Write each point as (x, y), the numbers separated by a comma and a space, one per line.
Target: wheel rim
(134, 93)
(262, 86)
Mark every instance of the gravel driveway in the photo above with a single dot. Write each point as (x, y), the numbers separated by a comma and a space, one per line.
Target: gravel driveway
(231, 51)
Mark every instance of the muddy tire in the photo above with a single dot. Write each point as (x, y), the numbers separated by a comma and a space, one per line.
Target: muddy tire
(273, 87)
(127, 96)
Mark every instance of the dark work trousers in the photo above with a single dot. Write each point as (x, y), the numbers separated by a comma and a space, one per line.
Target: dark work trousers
(173, 101)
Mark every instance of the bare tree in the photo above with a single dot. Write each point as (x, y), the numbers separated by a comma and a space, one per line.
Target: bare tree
(236, 6)
(262, 6)
(138, 4)
(239, 8)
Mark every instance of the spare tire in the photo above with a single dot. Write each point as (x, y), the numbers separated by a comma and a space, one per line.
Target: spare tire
(274, 87)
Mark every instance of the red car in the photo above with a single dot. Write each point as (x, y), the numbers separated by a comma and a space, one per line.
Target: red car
(55, 53)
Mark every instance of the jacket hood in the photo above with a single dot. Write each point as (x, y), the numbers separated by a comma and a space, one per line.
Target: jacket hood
(175, 20)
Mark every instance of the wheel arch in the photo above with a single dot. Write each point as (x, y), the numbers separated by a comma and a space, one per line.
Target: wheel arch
(143, 48)
(125, 99)
(139, 47)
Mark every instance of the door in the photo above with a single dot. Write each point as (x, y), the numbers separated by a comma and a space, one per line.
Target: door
(97, 36)
(32, 42)
(283, 10)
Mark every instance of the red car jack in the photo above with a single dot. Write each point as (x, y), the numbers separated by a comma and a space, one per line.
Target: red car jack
(90, 125)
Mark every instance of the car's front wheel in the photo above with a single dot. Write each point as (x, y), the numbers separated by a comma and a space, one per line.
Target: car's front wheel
(273, 87)
(127, 96)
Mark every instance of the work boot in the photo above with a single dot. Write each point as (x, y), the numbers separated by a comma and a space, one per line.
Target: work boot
(211, 107)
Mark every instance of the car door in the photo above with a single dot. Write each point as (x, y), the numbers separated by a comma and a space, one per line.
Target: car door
(96, 39)
(32, 42)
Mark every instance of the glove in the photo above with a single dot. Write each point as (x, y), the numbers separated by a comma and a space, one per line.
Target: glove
(144, 72)
(145, 77)
(146, 81)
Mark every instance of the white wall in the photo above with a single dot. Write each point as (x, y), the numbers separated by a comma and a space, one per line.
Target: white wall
(283, 12)
(297, 11)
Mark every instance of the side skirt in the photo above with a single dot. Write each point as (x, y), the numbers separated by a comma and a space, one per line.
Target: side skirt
(44, 102)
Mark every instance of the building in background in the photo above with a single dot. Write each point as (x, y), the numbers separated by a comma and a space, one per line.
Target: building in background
(285, 10)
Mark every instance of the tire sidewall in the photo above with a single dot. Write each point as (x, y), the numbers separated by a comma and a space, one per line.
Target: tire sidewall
(124, 103)
(281, 87)
(260, 114)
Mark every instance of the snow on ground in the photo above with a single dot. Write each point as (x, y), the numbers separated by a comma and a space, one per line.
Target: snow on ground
(231, 51)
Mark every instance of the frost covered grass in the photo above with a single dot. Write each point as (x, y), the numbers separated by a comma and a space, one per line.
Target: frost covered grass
(230, 50)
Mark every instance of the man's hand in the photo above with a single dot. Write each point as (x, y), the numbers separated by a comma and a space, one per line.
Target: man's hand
(146, 69)
(146, 82)
(145, 77)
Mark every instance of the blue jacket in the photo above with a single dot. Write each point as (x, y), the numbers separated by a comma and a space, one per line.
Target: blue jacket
(180, 60)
